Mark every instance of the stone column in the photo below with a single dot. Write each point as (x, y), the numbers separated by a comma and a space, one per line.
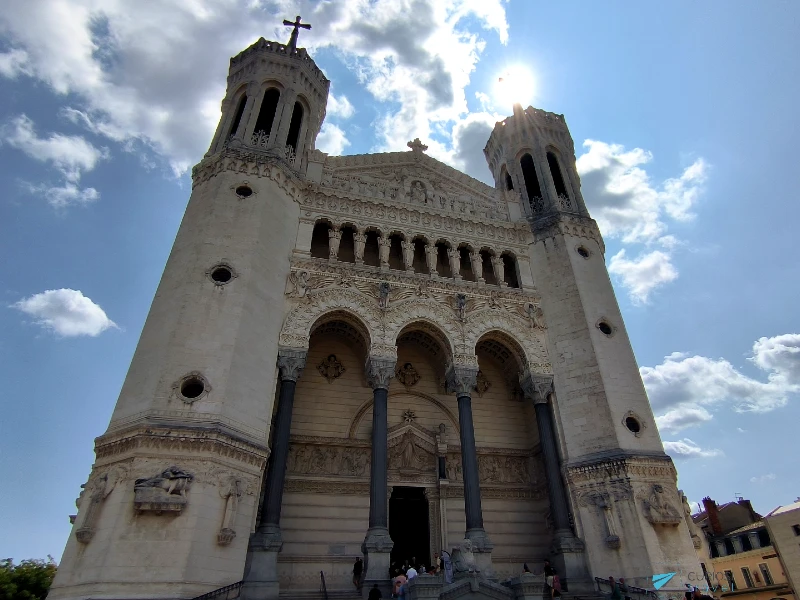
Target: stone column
(384, 245)
(334, 239)
(359, 241)
(283, 119)
(261, 566)
(461, 380)
(568, 549)
(408, 255)
(377, 543)
(431, 255)
(455, 262)
(499, 271)
(477, 265)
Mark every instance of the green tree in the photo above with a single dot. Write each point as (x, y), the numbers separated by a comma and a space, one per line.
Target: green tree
(29, 580)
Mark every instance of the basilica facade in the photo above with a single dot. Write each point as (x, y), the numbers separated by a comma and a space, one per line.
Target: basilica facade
(380, 356)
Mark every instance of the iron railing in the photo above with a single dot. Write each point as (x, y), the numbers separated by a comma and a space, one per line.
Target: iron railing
(229, 592)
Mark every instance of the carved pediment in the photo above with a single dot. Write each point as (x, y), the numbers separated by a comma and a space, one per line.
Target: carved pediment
(412, 449)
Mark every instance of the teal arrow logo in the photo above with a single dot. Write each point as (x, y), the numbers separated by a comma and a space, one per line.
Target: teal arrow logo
(660, 581)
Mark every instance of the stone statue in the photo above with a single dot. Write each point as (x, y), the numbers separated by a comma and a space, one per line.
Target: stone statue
(461, 305)
(298, 284)
(408, 452)
(463, 558)
(383, 291)
(172, 479)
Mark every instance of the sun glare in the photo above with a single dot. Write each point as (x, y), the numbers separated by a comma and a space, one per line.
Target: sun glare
(515, 84)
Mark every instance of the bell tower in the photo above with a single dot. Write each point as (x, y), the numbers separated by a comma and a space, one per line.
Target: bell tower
(623, 499)
(173, 494)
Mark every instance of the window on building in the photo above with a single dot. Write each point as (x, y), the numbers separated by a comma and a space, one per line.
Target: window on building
(510, 268)
(766, 574)
(294, 126)
(266, 114)
(347, 249)
(731, 581)
(509, 182)
(729, 549)
(443, 260)
(319, 240)
(714, 551)
(763, 538)
(531, 183)
(396, 252)
(420, 262)
(465, 263)
(371, 256)
(748, 580)
(237, 117)
(488, 268)
(746, 543)
(796, 529)
(555, 171)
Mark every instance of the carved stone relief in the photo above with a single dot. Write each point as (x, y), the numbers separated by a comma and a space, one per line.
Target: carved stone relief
(314, 459)
(95, 491)
(657, 508)
(407, 375)
(482, 384)
(165, 492)
(331, 368)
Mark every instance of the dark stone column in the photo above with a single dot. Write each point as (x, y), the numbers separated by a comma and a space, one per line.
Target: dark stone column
(377, 543)
(461, 380)
(568, 549)
(260, 574)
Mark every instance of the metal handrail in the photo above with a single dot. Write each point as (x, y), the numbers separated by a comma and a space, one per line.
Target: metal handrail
(324, 587)
(221, 591)
(632, 589)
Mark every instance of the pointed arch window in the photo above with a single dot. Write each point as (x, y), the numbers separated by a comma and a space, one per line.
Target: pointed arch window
(237, 117)
(555, 171)
(294, 126)
(531, 183)
(266, 114)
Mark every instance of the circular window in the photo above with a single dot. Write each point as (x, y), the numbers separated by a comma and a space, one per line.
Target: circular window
(605, 328)
(221, 274)
(244, 191)
(633, 425)
(583, 252)
(192, 387)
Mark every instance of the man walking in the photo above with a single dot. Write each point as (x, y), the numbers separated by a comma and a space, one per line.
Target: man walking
(358, 569)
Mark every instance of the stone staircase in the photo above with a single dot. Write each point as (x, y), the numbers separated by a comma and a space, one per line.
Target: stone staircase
(319, 595)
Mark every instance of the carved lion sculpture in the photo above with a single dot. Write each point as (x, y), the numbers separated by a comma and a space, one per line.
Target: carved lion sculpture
(172, 480)
(463, 558)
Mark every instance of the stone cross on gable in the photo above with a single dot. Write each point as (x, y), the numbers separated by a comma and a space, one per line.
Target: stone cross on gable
(416, 146)
(296, 24)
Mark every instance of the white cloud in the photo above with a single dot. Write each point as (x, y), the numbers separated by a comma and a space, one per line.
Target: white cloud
(695, 507)
(641, 275)
(339, 106)
(763, 478)
(332, 139)
(686, 448)
(13, 63)
(71, 155)
(686, 390)
(137, 79)
(624, 200)
(66, 312)
(740, 430)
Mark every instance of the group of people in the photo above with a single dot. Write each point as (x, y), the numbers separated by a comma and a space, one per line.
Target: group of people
(401, 574)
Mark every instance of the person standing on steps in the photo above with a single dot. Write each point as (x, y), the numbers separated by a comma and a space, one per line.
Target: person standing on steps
(549, 573)
(375, 593)
(616, 593)
(358, 569)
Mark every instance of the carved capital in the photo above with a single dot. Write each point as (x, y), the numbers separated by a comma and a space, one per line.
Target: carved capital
(536, 387)
(461, 380)
(291, 362)
(379, 372)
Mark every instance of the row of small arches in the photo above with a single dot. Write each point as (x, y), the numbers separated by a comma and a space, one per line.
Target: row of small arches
(460, 261)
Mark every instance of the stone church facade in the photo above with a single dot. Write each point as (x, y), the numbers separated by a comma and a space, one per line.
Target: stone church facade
(351, 354)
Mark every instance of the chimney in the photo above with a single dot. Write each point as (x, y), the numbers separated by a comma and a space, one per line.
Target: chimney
(754, 516)
(713, 515)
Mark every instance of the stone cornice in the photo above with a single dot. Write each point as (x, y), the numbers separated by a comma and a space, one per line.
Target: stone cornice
(621, 465)
(270, 164)
(445, 286)
(177, 441)
(413, 218)
(552, 224)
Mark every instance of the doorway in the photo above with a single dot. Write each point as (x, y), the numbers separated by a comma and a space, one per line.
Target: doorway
(409, 527)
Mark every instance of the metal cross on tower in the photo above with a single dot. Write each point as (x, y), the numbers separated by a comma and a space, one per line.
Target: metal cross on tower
(296, 24)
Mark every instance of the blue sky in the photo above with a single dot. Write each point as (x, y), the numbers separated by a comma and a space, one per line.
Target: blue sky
(691, 168)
